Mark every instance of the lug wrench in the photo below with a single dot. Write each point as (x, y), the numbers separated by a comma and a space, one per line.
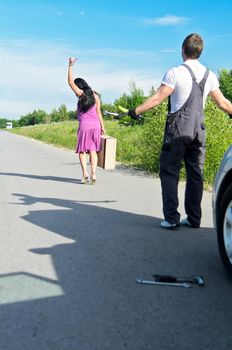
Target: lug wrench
(199, 280)
(170, 284)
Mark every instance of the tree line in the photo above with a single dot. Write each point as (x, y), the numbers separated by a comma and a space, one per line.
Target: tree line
(132, 100)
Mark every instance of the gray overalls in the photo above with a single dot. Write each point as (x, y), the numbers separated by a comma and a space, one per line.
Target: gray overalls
(184, 139)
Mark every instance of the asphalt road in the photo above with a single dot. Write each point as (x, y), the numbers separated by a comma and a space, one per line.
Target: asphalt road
(70, 255)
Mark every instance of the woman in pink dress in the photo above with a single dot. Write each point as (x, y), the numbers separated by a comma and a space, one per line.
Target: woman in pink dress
(91, 124)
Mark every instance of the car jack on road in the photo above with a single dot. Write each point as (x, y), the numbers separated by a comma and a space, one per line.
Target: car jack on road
(171, 281)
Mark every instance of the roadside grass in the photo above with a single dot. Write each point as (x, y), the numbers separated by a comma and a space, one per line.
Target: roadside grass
(60, 134)
(64, 134)
(140, 145)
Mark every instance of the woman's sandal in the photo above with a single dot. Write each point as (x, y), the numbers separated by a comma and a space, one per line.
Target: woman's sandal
(93, 181)
(85, 179)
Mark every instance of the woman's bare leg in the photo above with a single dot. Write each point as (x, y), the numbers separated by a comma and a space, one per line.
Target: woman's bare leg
(94, 159)
(82, 158)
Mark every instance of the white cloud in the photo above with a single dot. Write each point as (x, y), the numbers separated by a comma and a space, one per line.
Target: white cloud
(52, 9)
(167, 20)
(12, 109)
(223, 36)
(34, 75)
(169, 51)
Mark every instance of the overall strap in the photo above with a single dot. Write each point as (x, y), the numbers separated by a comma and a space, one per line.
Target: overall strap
(205, 77)
(193, 77)
(203, 80)
(206, 74)
(169, 104)
(201, 84)
(190, 71)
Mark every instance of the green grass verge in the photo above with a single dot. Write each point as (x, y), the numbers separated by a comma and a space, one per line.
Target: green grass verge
(140, 145)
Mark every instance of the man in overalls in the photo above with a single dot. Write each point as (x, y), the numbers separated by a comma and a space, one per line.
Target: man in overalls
(187, 87)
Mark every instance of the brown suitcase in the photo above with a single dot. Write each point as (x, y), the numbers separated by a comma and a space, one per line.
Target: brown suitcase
(107, 155)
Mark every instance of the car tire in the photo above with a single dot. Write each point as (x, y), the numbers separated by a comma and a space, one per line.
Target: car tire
(224, 230)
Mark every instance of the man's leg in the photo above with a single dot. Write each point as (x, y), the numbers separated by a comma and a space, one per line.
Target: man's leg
(194, 160)
(170, 163)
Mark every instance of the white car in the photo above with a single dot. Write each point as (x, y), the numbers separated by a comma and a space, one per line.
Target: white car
(9, 125)
(222, 209)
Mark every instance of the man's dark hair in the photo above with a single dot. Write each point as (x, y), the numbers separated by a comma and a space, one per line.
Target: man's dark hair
(87, 100)
(193, 45)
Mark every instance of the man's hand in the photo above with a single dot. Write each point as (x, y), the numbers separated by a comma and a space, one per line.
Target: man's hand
(133, 115)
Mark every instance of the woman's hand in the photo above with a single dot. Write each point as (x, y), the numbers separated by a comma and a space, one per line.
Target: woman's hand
(72, 60)
(103, 130)
(71, 82)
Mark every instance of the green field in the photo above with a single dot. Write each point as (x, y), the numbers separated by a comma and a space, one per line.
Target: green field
(140, 145)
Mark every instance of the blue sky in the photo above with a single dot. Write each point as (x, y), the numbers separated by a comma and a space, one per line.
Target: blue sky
(116, 42)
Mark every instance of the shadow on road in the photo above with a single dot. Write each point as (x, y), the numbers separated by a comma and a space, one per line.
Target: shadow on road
(99, 305)
(41, 177)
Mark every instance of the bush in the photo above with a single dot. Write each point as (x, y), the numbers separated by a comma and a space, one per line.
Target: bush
(36, 117)
(128, 149)
(219, 137)
(225, 80)
(137, 145)
(3, 122)
(152, 137)
(130, 102)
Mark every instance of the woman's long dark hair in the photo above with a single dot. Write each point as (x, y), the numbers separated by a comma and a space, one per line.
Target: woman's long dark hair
(87, 100)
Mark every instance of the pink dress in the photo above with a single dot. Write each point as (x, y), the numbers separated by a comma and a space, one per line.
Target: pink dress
(89, 131)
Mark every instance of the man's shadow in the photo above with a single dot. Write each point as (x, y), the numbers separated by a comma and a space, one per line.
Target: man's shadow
(101, 305)
(114, 237)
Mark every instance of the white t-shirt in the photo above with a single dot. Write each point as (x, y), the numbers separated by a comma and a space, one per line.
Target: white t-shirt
(179, 79)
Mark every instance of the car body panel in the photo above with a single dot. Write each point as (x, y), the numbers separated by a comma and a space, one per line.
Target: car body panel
(224, 173)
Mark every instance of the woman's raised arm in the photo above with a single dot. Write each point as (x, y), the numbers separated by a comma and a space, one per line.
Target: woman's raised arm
(71, 83)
